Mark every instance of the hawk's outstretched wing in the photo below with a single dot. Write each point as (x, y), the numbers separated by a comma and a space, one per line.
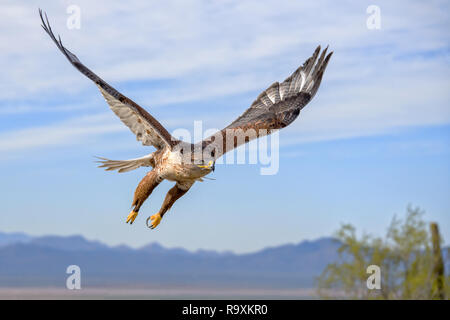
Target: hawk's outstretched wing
(275, 108)
(146, 128)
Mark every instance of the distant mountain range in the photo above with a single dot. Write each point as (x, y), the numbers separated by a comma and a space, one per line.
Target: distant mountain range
(42, 261)
(9, 238)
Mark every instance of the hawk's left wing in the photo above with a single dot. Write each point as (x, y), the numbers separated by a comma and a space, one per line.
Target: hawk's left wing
(275, 108)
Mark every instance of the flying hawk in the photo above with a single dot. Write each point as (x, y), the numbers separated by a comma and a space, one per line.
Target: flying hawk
(185, 163)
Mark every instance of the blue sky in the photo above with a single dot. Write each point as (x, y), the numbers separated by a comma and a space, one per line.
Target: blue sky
(375, 138)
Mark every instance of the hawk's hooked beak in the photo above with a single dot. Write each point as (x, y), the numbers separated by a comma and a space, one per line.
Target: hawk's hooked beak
(211, 165)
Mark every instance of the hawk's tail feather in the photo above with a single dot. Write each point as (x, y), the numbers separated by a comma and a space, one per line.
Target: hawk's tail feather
(126, 165)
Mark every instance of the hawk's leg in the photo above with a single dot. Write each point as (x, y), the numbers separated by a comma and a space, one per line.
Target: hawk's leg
(173, 195)
(143, 191)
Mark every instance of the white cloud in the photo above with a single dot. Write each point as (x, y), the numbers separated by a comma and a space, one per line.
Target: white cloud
(64, 133)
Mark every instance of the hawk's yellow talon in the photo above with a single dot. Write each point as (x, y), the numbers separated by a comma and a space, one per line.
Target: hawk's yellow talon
(131, 217)
(209, 165)
(156, 219)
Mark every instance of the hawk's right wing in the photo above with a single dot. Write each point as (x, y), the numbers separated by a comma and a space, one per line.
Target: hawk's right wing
(146, 128)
